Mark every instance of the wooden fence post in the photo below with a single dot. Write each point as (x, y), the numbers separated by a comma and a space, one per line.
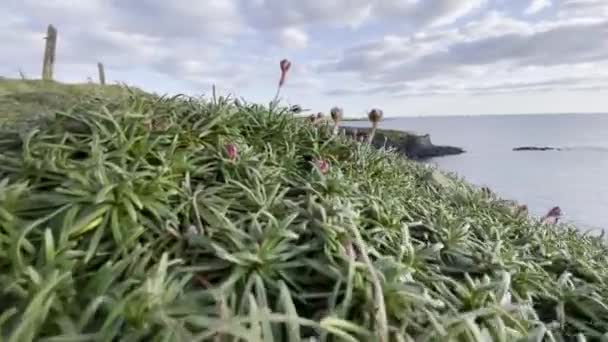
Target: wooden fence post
(49, 53)
(102, 74)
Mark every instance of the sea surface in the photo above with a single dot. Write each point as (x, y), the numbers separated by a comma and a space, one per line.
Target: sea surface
(575, 179)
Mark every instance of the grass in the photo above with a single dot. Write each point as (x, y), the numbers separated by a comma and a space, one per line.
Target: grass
(141, 218)
(25, 101)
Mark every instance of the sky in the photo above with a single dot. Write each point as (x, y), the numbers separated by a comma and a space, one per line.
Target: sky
(406, 57)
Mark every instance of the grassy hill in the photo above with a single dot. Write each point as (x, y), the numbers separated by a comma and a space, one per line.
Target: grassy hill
(132, 217)
(28, 100)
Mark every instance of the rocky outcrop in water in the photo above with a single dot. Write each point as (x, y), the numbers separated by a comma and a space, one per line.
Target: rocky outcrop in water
(412, 145)
(536, 148)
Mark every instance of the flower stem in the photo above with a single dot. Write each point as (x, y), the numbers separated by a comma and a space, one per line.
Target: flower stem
(276, 96)
(370, 137)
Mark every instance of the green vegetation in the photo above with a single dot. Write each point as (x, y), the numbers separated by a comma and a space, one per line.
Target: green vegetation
(139, 218)
(26, 101)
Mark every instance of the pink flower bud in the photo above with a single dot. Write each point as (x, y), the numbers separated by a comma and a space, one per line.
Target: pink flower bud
(232, 151)
(285, 66)
(323, 165)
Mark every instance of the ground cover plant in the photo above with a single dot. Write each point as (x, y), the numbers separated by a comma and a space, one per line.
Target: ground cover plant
(146, 218)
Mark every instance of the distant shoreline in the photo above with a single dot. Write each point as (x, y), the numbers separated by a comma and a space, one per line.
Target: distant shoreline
(411, 145)
(474, 115)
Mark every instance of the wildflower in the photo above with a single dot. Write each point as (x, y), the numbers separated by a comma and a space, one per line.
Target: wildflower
(232, 151)
(320, 116)
(336, 116)
(285, 66)
(375, 116)
(322, 165)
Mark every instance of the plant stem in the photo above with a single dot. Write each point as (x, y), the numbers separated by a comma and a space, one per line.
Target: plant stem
(370, 137)
(381, 320)
(276, 96)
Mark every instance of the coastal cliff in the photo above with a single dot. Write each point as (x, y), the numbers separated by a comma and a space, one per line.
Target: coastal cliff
(412, 145)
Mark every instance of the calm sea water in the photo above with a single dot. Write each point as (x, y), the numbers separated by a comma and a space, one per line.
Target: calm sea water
(575, 179)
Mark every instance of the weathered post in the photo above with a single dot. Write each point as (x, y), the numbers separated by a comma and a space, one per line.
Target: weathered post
(102, 74)
(49, 53)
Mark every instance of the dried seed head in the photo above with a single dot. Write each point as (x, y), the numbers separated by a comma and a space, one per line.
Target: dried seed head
(312, 118)
(320, 116)
(375, 115)
(337, 114)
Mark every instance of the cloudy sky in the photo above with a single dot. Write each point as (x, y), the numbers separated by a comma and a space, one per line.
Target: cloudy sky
(409, 57)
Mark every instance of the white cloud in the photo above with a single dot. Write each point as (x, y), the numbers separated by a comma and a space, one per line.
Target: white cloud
(434, 13)
(537, 6)
(583, 8)
(293, 38)
(354, 13)
(461, 60)
(285, 13)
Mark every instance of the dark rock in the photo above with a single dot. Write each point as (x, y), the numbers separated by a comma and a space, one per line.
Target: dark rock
(536, 148)
(412, 145)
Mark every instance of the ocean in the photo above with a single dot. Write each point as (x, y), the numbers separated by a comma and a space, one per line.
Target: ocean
(575, 179)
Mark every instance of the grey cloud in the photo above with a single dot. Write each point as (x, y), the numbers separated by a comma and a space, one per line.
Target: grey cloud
(434, 12)
(268, 14)
(583, 8)
(123, 35)
(205, 20)
(383, 89)
(280, 13)
(558, 45)
(550, 84)
(562, 83)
